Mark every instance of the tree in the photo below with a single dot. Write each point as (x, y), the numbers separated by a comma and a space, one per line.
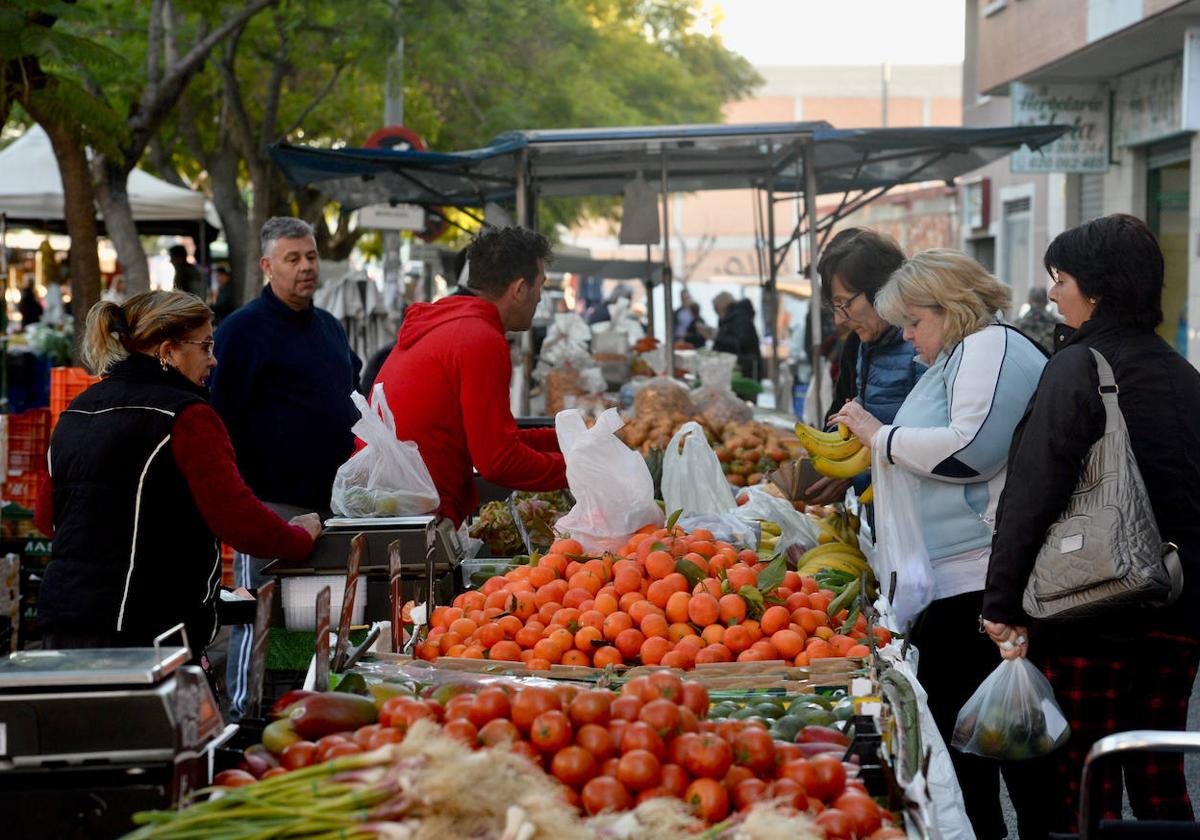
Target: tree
(36, 63)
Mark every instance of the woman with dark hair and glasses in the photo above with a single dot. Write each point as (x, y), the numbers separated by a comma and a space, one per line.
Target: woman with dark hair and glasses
(878, 367)
(1121, 672)
(143, 486)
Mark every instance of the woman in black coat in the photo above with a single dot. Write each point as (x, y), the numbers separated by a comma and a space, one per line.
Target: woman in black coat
(1129, 670)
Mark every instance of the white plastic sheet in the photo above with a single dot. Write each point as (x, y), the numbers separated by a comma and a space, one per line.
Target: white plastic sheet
(899, 544)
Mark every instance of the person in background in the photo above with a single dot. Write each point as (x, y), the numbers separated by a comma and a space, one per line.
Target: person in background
(1126, 670)
(187, 277)
(223, 303)
(878, 366)
(30, 307)
(737, 334)
(1039, 322)
(143, 485)
(685, 318)
(952, 433)
(282, 385)
(451, 368)
(115, 293)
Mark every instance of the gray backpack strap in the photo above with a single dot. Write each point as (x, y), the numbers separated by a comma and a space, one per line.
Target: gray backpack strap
(1108, 392)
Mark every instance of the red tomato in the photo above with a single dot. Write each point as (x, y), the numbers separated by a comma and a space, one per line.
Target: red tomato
(789, 791)
(639, 770)
(862, 811)
(299, 754)
(488, 705)
(737, 773)
(636, 688)
(675, 779)
(324, 745)
(640, 736)
(527, 750)
(826, 777)
(626, 707)
(344, 748)
(402, 712)
(747, 792)
(597, 740)
(362, 735)
(664, 685)
(708, 800)
(573, 765)
(463, 730)
(695, 697)
(837, 825)
(591, 707)
(530, 702)
(663, 717)
(785, 752)
(498, 731)
(604, 793)
(677, 749)
(234, 778)
(754, 748)
(709, 757)
(551, 731)
(387, 735)
(688, 722)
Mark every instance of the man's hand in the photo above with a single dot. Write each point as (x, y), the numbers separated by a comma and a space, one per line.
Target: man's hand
(827, 491)
(1012, 640)
(310, 522)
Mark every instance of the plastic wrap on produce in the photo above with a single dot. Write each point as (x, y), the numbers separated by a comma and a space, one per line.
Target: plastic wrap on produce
(432, 676)
(797, 528)
(724, 526)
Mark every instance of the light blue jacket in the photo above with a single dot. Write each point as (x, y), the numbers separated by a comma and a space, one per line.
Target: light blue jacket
(954, 432)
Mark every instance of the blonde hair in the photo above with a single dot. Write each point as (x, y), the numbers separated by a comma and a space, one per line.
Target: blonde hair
(947, 280)
(114, 331)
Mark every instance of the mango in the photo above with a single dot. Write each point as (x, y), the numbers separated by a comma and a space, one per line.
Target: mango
(331, 712)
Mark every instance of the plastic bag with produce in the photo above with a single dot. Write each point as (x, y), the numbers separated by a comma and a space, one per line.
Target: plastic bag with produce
(692, 478)
(755, 504)
(614, 493)
(1012, 715)
(387, 477)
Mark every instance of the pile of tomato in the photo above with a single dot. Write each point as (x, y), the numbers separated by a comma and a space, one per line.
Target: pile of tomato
(612, 751)
(638, 607)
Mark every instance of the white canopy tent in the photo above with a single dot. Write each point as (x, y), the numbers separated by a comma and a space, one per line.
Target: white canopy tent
(31, 193)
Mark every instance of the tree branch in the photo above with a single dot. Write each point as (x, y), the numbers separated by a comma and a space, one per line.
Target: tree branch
(154, 50)
(239, 119)
(161, 161)
(316, 100)
(275, 85)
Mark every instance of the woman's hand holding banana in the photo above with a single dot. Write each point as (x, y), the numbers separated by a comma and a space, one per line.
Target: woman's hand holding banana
(859, 421)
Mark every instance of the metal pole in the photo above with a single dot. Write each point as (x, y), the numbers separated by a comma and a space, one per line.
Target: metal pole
(669, 313)
(771, 305)
(887, 78)
(393, 114)
(649, 284)
(524, 217)
(808, 159)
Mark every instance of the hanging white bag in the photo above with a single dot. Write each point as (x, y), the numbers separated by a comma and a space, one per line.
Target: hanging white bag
(899, 543)
(692, 479)
(613, 490)
(387, 477)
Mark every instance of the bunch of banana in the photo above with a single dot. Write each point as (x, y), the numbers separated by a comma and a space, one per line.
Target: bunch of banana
(837, 556)
(769, 534)
(867, 496)
(838, 527)
(836, 454)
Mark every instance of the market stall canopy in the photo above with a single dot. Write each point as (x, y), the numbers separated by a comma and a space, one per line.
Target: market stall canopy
(607, 269)
(600, 161)
(31, 193)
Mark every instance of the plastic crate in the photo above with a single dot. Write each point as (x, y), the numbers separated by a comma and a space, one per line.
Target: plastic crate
(66, 383)
(21, 488)
(26, 438)
(227, 566)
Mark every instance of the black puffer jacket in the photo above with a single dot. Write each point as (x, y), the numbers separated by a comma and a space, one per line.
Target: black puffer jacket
(737, 334)
(1160, 401)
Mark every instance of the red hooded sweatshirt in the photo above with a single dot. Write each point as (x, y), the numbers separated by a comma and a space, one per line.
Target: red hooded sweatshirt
(447, 383)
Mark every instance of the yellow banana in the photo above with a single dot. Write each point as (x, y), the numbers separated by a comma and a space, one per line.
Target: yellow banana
(867, 496)
(769, 527)
(804, 430)
(859, 462)
(843, 431)
(827, 444)
(822, 550)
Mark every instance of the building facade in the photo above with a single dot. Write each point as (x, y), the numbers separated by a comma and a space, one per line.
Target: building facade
(1126, 75)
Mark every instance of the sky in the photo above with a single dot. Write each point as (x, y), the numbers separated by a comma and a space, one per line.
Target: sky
(828, 32)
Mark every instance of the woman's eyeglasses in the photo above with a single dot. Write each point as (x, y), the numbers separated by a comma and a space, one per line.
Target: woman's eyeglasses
(206, 345)
(844, 305)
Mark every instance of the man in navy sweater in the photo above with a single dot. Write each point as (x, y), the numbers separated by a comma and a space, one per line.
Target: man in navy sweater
(282, 384)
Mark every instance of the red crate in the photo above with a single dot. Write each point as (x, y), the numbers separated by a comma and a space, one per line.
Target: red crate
(21, 489)
(66, 383)
(227, 566)
(26, 438)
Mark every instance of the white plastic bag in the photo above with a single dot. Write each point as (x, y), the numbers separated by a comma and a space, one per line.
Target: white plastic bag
(796, 528)
(1012, 715)
(614, 493)
(899, 543)
(692, 479)
(387, 477)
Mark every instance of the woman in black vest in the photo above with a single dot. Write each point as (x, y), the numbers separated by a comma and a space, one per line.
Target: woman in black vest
(143, 486)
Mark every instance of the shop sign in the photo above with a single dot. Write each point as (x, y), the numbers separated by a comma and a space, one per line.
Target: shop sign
(392, 217)
(1148, 103)
(1084, 107)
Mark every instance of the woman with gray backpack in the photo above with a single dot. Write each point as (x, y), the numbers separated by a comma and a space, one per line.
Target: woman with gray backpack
(1095, 565)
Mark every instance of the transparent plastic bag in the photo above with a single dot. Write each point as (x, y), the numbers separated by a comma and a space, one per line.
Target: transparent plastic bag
(795, 527)
(719, 406)
(1012, 715)
(899, 543)
(614, 493)
(692, 479)
(387, 477)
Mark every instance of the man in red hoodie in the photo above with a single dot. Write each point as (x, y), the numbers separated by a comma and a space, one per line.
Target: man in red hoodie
(447, 379)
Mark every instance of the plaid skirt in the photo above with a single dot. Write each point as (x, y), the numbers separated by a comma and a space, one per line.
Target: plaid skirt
(1141, 684)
